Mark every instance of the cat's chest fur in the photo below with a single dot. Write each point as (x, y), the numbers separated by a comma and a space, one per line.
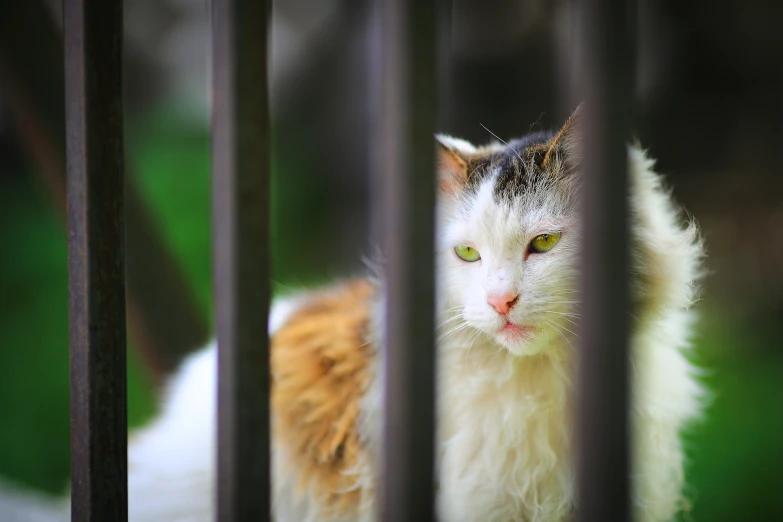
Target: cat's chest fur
(504, 435)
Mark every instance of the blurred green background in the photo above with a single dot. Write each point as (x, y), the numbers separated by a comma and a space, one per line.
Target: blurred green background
(708, 111)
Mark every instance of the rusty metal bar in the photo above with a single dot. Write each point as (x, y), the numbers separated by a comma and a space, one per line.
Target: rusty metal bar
(406, 76)
(96, 259)
(605, 78)
(240, 206)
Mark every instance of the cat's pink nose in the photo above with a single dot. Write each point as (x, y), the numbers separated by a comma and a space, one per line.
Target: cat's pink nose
(502, 303)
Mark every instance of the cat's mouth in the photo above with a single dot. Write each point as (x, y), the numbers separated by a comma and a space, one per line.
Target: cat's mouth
(516, 332)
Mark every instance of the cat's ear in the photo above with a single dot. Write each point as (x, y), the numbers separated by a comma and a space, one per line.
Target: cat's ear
(564, 149)
(452, 159)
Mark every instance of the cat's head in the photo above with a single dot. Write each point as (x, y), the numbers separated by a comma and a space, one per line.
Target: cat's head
(508, 238)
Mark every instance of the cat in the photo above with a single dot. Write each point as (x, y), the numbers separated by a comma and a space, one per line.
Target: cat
(507, 254)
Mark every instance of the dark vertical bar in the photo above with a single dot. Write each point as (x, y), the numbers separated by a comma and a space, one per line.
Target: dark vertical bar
(406, 75)
(240, 206)
(602, 412)
(96, 252)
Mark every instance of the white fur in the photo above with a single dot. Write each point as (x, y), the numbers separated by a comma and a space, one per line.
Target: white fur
(456, 144)
(504, 433)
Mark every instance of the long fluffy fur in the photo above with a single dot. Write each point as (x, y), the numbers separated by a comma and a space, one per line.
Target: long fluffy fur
(505, 413)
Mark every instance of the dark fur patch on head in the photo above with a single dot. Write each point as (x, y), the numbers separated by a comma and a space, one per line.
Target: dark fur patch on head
(516, 166)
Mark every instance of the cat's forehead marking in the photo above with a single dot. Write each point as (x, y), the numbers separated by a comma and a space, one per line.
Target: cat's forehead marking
(513, 166)
(511, 178)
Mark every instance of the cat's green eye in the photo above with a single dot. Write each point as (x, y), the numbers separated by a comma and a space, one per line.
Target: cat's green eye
(467, 253)
(544, 242)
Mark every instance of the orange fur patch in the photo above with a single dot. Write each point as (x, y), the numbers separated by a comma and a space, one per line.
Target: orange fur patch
(320, 369)
(452, 169)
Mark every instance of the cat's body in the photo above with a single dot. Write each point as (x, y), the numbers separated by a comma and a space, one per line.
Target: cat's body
(506, 361)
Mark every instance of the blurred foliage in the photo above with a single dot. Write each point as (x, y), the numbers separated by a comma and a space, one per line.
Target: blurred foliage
(735, 453)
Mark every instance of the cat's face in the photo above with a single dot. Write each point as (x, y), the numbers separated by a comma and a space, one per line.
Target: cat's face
(508, 242)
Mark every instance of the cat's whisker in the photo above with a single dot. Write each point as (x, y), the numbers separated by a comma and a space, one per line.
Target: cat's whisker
(565, 317)
(458, 317)
(456, 311)
(569, 331)
(550, 309)
(512, 149)
(546, 311)
(574, 323)
(555, 328)
(453, 331)
(451, 319)
(472, 339)
(567, 314)
(568, 301)
(449, 334)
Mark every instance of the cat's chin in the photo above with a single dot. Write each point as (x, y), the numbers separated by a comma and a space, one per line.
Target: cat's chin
(522, 348)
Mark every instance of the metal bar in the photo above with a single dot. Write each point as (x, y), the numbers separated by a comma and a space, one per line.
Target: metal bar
(96, 255)
(406, 76)
(241, 184)
(164, 322)
(603, 393)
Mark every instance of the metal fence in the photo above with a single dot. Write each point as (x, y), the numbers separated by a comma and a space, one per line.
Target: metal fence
(406, 74)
